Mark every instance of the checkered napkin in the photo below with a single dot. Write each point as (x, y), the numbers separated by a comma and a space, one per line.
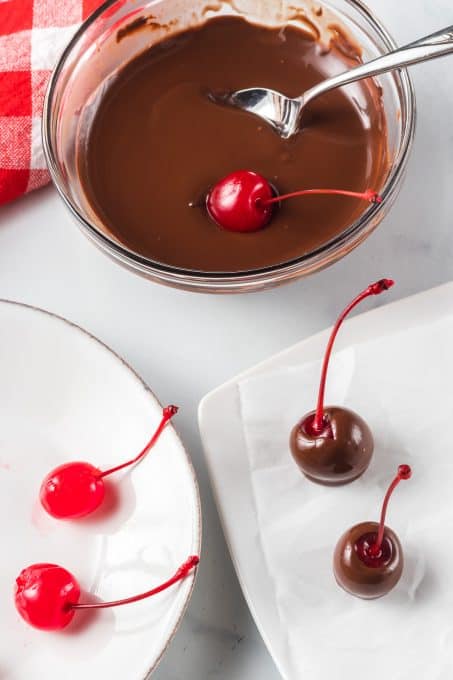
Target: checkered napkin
(32, 35)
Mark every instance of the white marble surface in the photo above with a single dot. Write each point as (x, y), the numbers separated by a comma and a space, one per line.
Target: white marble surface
(185, 344)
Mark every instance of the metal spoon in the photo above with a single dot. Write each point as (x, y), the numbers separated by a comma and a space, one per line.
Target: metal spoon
(284, 114)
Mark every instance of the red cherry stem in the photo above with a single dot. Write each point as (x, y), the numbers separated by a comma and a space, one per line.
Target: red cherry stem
(167, 414)
(368, 195)
(404, 472)
(319, 424)
(182, 572)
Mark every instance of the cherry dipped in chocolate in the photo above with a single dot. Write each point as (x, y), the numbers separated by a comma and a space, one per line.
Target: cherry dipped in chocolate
(368, 559)
(47, 595)
(238, 202)
(76, 489)
(334, 445)
(244, 201)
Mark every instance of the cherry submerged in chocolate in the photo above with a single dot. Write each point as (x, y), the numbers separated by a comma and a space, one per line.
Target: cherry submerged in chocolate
(157, 143)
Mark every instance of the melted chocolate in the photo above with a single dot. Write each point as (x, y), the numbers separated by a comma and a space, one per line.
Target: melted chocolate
(337, 456)
(364, 576)
(157, 143)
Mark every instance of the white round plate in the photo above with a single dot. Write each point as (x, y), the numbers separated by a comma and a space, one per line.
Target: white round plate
(65, 396)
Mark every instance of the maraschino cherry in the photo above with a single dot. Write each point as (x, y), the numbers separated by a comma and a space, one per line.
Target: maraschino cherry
(47, 596)
(368, 559)
(333, 445)
(244, 201)
(76, 489)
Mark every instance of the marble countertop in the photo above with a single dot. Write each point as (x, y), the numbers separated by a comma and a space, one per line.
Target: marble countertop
(185, 344)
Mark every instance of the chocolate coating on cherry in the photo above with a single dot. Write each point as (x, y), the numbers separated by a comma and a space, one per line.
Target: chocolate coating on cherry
(339, 454)
(74, 490)
(357, 572)
(47, 595)
(244, 201)
(334, 445)
(368, 559)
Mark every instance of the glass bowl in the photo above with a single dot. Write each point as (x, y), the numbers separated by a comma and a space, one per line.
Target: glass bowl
(93, 57)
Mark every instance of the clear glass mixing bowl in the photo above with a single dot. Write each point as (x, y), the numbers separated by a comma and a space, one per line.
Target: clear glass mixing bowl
(93, 57)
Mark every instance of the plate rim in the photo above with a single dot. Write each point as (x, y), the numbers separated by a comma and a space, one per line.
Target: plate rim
(198, 534)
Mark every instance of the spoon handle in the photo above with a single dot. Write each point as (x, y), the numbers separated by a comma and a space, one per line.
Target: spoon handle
(432, 46)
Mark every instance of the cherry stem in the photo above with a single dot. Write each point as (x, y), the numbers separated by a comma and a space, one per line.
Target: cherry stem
(319, 424)
(404, 472)
(368, 195)
(182, 572)
(167, 414)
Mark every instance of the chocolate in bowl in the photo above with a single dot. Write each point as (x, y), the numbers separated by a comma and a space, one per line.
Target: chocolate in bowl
(157, 143)
(147, 143)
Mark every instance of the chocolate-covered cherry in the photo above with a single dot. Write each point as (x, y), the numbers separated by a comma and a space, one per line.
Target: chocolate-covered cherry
(76, 489)
(47, 596)
(368, 559)
(244, 201)
(338, 454)
(333, 445)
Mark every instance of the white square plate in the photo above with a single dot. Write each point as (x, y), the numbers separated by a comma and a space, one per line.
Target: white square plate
(222, 433)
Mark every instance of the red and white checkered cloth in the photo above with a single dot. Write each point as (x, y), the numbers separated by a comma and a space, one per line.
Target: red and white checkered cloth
(33, 33)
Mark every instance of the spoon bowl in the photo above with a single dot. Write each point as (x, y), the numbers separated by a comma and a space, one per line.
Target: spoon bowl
(284, 114)
(280, 112)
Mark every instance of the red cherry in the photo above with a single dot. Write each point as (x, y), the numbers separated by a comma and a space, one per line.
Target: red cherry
(72, 490)
(44, 595)
(76, 489)
(237, 202)
(244, 201)
(47, 596)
